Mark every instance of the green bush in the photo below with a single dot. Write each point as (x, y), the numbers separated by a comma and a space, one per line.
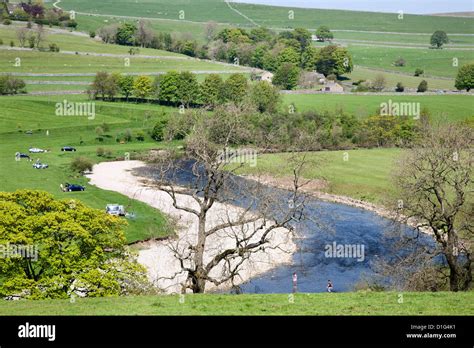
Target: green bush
(423, 86)
(81, 164)
(53, 47)
(159, 130)
(419, 72)
(92, 34)
(6, 21)
(100, 151)
(400, 87)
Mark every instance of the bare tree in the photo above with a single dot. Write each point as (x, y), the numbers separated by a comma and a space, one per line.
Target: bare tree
(210, 30)
(260, 224)
(435, 190)
(40, 35)
(379, 83)
(144, 34)
(108, 33)
(22, 36)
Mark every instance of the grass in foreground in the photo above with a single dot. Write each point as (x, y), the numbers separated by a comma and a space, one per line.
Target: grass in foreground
(351, 303)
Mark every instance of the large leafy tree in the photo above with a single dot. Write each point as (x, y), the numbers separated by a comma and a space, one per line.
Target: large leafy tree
(439, 38)
(72, 249)
(324, 34)
(236, 88)
(142, 87)
(188, 88)
(126, 85)
(126, 34)
(211, 90)
(465, 77)
(265, 97)
(334, 60)
(167, 87)
(287, 76)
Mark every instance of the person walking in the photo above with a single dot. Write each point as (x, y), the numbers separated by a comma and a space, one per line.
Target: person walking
(295, 282)
(329, 286)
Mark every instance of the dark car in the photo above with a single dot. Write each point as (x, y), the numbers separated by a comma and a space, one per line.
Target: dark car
(22, 155)
(72, 187)
(68, 148)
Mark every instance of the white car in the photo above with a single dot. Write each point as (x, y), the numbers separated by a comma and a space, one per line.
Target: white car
(40, 166)
(36, 150)
(115, 209)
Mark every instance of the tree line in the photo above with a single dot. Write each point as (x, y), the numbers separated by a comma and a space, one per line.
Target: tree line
(287, 53)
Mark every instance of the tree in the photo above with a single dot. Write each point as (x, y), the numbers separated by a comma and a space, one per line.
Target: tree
(210, 30)
(167, 87)
(324, 34)
(188, 88)
(334, 60)
(288, 55)
(465, 77)
(11, 85)
(422, 87)
(113, 85)
(287, 76)
(22, 36)
(400, 62)
(99, 85)
(434, 181)
(126, 34)
(211, 90)
(62, 248)
(265, 97)
(144, 34)
(439, 38)
(400, 88)
(419, 72)
(243, 233)
(108, 33)
(303, 36)
(125, 84)
(379, 83)
(235, 88)
(142, 87)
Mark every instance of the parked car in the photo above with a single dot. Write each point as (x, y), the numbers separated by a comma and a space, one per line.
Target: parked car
(72, 187)
(36, 150)
(115, 209)
(22, 155)
(40, 166)
(68, 148)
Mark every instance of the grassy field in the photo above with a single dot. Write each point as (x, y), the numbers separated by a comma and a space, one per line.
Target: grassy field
(432, 61)
(392, 78)
(217, 10)
(357, 303)
(20, 114)
(451, 108)
(365, 175)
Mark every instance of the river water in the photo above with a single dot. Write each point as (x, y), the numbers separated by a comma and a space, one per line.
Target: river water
(325, 225)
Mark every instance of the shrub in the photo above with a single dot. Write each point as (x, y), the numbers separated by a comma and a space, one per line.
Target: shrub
(140, 136)
(100, 151)
(12, 43)
(400, 62)
(400, 87)
(332, 77)
(419, 72)
(158, 131)
(92, 34)
(7, 21)
(81, 164)
(1, 42)
(53, 47)
(422, 87)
